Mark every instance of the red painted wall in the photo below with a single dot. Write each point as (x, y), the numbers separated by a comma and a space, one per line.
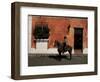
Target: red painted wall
(59, 28)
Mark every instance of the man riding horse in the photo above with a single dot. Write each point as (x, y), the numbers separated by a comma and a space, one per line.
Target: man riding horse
(63, 47)
(65, 43)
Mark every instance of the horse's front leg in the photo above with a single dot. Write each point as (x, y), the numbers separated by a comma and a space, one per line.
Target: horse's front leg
(59, 53)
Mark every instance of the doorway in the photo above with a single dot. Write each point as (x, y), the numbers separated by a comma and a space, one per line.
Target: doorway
(78, 39)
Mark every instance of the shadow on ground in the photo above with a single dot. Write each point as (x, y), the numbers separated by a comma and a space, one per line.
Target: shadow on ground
(59, 58)
(56, 60)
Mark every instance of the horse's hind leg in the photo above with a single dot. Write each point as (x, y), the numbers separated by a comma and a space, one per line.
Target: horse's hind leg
(70, 55)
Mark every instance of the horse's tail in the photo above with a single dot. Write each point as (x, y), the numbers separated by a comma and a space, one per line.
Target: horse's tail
(71, 48)
(70, 52)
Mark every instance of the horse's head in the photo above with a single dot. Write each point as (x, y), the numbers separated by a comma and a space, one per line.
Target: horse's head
(57, 44)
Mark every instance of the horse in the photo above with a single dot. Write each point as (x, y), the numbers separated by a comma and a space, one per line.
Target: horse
(60, 49)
